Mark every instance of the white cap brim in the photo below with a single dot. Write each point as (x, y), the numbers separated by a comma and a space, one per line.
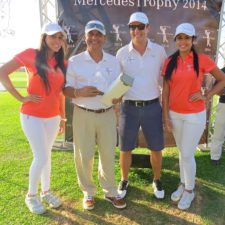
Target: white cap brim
(94, 28)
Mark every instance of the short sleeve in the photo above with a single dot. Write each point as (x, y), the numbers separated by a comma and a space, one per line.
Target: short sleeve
(164, 67)
(164, 55)
(206, 63)
(117, 69)
(26, 58)
(70, 77)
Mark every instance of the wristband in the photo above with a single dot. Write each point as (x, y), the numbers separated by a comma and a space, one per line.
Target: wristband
(75, 92)
(63, 119)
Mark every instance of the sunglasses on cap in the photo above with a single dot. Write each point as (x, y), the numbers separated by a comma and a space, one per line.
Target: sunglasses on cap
(139, 27)
(95, 25)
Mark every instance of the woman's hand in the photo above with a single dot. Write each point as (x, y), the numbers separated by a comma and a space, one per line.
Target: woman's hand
(31, 98)
(197, 96)
(62, 126)
(168, 125)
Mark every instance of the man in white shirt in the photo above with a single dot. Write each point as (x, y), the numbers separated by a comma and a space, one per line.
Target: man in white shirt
(89, 74)
(142, 60)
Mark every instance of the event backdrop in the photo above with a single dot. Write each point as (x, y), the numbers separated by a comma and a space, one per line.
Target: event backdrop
(164, 16)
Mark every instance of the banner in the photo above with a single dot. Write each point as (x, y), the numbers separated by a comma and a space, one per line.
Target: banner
(164, 16)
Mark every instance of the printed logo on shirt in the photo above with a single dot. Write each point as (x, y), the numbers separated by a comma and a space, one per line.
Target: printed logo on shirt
(189, 67)
(130, 59)
(108, 71)
(153, 55)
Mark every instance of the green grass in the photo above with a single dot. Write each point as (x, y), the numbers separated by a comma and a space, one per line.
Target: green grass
(143, 208)
(19, 79)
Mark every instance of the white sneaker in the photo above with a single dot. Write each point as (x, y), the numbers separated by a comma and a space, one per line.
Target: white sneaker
(176, 195)
(88, 202)
(158, 189)
(34, 204)
(186, 200)
(51, 200)
(122, 188)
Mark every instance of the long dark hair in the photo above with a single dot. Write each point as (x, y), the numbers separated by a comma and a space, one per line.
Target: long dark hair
(172, 65)
(41, 61)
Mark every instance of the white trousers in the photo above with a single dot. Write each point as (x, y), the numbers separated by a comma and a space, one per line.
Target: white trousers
(187, 131)
(41, 134)
(219, 132)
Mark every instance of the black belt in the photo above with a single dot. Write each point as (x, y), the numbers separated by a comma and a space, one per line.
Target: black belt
(222, 99)
(141, 103)
(94, 110)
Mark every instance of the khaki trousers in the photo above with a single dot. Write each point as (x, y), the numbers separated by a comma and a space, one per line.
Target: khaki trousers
(89, 129)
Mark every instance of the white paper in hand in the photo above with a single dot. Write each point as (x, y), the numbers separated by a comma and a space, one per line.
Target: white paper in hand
(118, 88)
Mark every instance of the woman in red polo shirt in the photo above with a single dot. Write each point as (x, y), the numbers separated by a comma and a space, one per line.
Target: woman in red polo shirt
(184, 111)
(43, 108)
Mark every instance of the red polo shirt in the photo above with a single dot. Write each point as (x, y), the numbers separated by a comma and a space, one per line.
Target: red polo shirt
(184, 82)
(50, 104)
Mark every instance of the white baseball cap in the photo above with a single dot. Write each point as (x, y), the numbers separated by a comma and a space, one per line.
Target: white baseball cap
(95, 25)
(138, 17)
(52, 28)
(185, 28)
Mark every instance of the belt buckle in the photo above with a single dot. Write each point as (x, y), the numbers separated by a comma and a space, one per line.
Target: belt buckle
(139, 104)
(101, 110)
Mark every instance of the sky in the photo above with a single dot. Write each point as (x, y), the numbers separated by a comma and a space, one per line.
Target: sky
(23, 19)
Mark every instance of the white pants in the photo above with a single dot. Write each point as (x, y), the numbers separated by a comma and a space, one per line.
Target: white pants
(219, 132)
(41, 134)
(187, 131)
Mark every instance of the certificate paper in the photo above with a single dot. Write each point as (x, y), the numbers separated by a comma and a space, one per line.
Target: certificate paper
(118, 88)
